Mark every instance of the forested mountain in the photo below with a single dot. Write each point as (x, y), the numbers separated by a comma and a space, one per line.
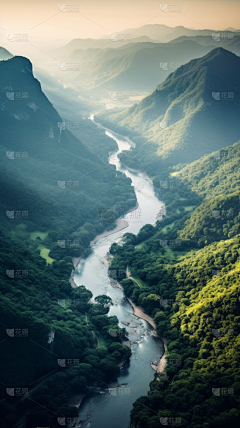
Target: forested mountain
(39, 149)
(192, 293)
(170, 120)
(53, 190)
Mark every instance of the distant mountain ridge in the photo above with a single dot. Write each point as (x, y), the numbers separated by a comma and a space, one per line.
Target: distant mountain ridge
(165, 34)
(130, 68)
(5, 54)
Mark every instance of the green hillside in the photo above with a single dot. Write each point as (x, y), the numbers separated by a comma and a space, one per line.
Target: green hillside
(169, 122)
(193, 295)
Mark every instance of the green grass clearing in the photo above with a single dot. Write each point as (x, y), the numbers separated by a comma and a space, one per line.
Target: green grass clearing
(140, 282)
(170, 254)
(101, 341)
(190, 207)
(139, 246)
(37, 234)
(167, 227)
(44, 253)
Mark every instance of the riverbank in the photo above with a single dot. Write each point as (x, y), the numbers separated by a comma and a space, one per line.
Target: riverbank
(163, 362)
(121, 224)
(139, 312)
(71, 279)
(139, 172)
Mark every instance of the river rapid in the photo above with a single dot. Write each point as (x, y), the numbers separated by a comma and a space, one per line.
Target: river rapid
(111, 408)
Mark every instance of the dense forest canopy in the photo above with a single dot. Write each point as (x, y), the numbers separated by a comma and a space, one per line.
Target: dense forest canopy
(188, 265)
(53, 190)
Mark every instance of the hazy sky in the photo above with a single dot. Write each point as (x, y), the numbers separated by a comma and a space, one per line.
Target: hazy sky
(48, 23)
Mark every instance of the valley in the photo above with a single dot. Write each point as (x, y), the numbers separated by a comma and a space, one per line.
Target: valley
(119, 215)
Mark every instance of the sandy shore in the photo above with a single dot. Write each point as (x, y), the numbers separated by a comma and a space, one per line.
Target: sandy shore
(121, 224)
(71, 280)
(139, 312)
(162, 363)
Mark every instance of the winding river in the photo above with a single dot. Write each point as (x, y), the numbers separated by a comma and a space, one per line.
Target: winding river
(112, 408)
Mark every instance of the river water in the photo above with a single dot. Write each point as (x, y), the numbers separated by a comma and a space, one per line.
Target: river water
(111, 409)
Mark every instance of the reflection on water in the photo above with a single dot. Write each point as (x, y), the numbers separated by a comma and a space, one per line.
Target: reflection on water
(111, 408)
